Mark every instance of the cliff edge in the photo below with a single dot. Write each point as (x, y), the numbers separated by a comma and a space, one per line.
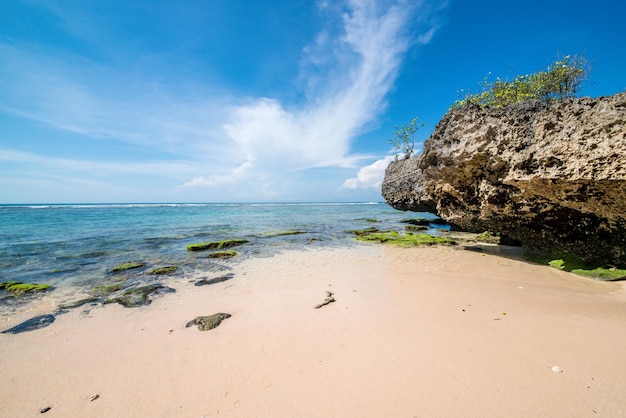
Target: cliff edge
(551, 175)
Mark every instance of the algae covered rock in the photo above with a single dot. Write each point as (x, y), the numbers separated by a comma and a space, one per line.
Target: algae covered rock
(19, 288)
(209, 322)
(127, 266)
(163, 270)
(268, 234)
(139, 296)
(106, 289)
(215, 245)
(77, 304)
(223, 254)
(407, 240)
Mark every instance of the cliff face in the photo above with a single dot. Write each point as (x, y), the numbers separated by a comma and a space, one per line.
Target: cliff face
(552, 176)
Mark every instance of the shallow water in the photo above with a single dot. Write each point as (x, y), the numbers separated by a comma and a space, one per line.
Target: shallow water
(76, 246)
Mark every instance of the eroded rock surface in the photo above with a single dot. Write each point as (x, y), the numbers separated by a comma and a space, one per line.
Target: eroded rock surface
(551, 175)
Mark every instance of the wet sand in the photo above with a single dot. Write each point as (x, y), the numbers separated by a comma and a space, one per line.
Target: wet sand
(424, 332)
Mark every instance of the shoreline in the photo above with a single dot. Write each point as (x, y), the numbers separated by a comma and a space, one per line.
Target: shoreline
(433, 331)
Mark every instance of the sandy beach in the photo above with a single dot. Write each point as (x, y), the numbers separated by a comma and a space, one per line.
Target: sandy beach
(422, 332)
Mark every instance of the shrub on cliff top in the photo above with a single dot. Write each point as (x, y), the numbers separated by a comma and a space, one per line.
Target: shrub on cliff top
(403, 139)
(559, 80)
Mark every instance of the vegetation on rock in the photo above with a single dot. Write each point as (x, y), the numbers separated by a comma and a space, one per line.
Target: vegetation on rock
(106, 289)
(138, 296)
(403, 139)
(77, 304)
(577, 267)
(163, 270)
(280, 233)
(488, 238)
(364, 231)
(19, 288)
(127, 266)
(215, 245)
(559, 80)
(223, 254)
(415, 228)
(407, 240)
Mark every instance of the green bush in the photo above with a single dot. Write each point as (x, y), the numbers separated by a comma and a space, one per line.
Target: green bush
(559, 80)
(403, 139)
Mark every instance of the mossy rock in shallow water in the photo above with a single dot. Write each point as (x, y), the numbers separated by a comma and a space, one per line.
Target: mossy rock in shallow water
(76, 304)
(416, 221)
(223, 254)
(415, 228)
(106, 289)
(365, 231)
(18, 288)
(139, 296)
(127, 266)
(406, 240)
(4, 285)
(594, 272)
(163, 270)
(269, 234)
(216, 245)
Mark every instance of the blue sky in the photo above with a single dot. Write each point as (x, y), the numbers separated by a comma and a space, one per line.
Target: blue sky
(242, 101)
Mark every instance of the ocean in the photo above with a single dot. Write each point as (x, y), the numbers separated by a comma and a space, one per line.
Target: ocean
(75, 247)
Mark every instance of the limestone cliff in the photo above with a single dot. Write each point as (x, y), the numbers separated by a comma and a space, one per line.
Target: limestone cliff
(551, 175)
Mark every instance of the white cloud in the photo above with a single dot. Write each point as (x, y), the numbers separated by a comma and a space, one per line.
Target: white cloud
(360, 63)
(369, 177)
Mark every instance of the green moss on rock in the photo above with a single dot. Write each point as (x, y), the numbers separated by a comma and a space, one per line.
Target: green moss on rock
(488, 238)
(223, 254)
(268, 234)
(139, 296)
(215, 245)
(415, 228)
(106, 289)
(163, 270)
(5, 285)
(365, 231)
(577, 267)
(127, 266)
(602, 274)
(19, 289)
(407, 240)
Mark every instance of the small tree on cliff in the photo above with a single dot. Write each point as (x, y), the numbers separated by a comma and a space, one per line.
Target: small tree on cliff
(403, 139)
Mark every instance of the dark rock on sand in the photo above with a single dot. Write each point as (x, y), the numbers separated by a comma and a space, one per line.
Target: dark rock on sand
(205, 282)
(78, 303)
(140, 296)
(32, 324)
(206, 323)
(549, 175)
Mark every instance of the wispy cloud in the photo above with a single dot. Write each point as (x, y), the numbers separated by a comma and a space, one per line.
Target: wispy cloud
(360, 61)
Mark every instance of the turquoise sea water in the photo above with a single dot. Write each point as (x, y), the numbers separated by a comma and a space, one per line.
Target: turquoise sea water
(78, 245)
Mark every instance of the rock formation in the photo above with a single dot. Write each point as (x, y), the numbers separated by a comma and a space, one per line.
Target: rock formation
(551, 175)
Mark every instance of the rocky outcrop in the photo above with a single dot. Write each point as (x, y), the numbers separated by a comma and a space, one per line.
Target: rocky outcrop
(551, 175)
